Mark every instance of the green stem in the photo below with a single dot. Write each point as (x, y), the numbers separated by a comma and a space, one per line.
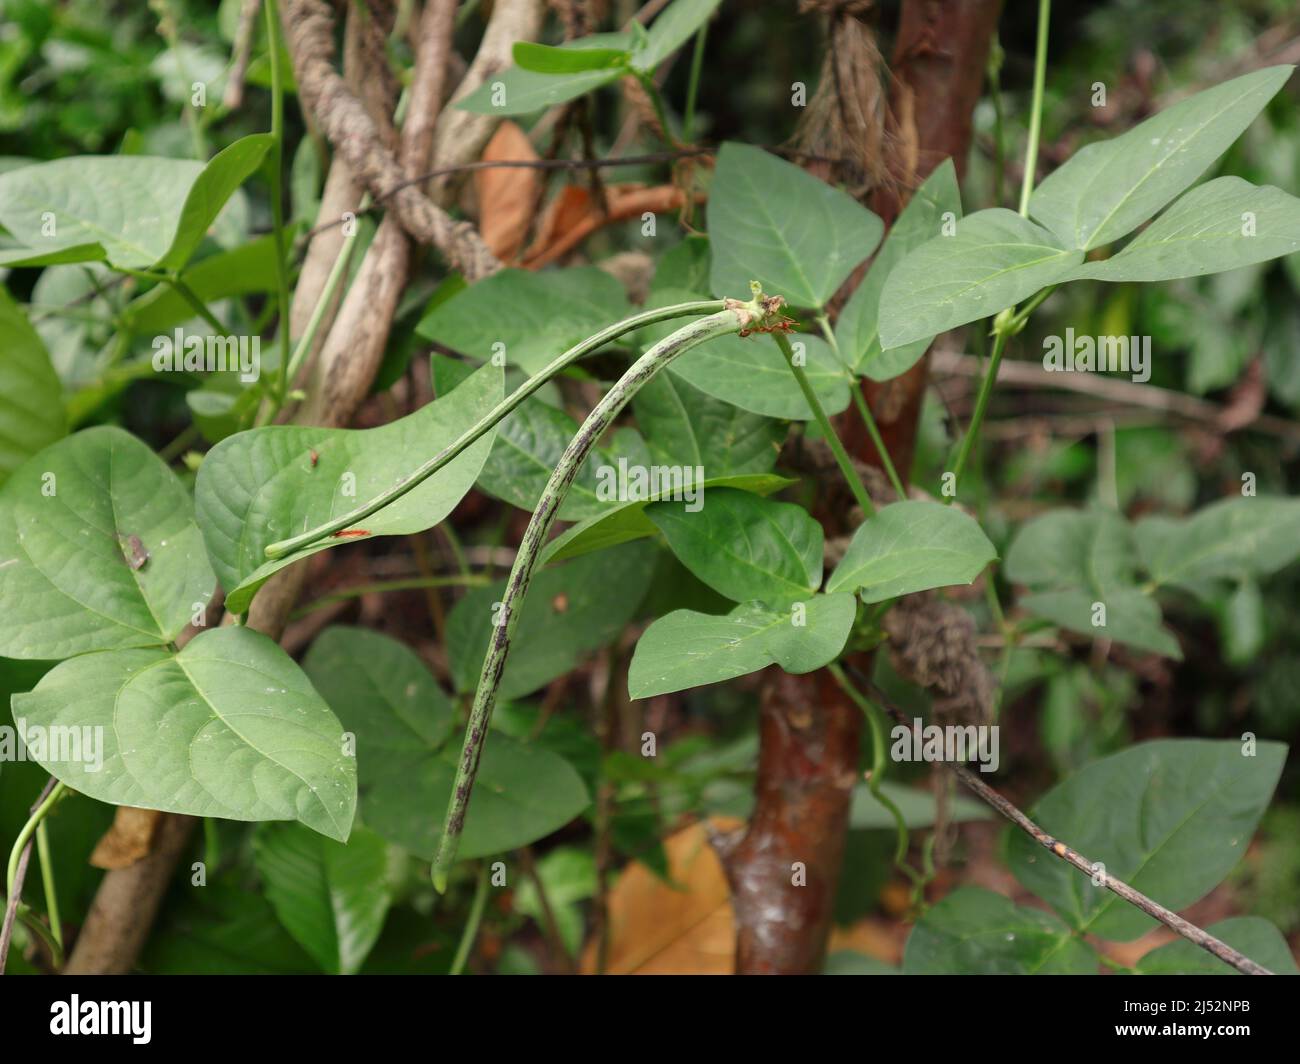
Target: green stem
(693, 86)
(1004, 327)
(981, 405)
(47, 881)
(275, 46)
(485, 423)
(864, 412)
(413, 584)
(1036, 111)
(833, 441)
(470, 933)
(738, 316)
(304, 345)
(878, 763)
(192, 298)
(661, 112)
(25, 835)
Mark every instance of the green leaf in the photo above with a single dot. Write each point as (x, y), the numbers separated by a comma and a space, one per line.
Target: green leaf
(976, 932)
(137, 211)
(994, 260)
(261, 486)
(1221, 225)
(569, 611)
(1075, 559)
(686, 426)
(1131, 617)
(772, 222)
(1231, 538)
(331, 896)
(544, 59)
(1108, 189)
(745, 547)
(31, 397)
(1170, 818)
(217, 182)
(517, 91)
(627, 521)
(671, 30)
(223, 929)
(684, 267)
(1256, 938)
(912, 546)
(407, 757)
(76, 521)
(536, 316)
(688, 649)
(856, 330)
(229, 727)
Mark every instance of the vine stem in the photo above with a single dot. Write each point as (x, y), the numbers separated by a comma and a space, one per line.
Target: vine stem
(1057, 848)
(693, 86)
(501, 410)
(832, 439)
(25, 835)
(470, 933)
(736, 317)
(1036, 111)
(864, 412)
(1005, 325)
(878, 763)
(47, 882)
(274, 46)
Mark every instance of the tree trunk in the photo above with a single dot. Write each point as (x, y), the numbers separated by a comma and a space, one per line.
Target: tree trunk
(785, 870)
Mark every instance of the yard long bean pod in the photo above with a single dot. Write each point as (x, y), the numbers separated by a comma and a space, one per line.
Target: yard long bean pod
(755, 315)
(284, 547)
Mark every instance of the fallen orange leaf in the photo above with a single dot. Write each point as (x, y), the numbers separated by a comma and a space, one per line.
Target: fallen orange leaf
(507, 196)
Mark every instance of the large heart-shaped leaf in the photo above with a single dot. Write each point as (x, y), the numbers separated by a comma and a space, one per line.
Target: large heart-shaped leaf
(773, 222)
(533, 316)
(994, 260)
(627, 520)
(912, 546)
(1220, 225)
(517, 91)
(687, 649)
(745, 547)
(1107, 190)
(31, 397)
(569, 611)
(1169, 817)
(228, 727)
(976, 932)
(857, 329)
(134, 210)
(331, 896)
(98, 550)
(687, 427)
(257, 487)
(408, 760)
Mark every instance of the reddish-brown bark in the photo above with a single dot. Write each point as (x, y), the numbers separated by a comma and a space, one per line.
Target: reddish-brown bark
(809, 732)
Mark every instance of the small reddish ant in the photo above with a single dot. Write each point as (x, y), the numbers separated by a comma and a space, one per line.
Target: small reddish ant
(351, 532)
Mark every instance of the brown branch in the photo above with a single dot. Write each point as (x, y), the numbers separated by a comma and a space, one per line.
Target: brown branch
(1072, 857)
(241, 52)
(358, 139)
(1126, 393)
